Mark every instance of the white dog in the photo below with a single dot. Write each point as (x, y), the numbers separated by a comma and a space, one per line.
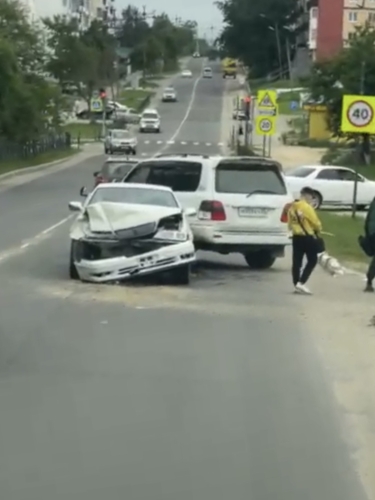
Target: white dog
(330, 265)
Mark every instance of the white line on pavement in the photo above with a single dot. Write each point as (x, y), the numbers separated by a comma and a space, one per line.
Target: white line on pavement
(13, 252)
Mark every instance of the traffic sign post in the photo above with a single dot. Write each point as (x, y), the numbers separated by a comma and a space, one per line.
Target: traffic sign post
(96, 105)
(358, 114)
(266, 117)
(265, 125)
(357, 117)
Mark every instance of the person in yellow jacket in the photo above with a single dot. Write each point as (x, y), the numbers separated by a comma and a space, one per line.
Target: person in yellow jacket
(306, 228)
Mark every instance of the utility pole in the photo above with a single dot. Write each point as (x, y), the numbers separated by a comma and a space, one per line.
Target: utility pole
(360, 150)
(145, 16)
(278, 43)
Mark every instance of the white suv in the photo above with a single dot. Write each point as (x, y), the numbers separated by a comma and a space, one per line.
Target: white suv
(241, 202)
(150, 121)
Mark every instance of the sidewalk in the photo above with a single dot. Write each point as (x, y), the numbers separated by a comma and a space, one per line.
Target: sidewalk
(340, 320)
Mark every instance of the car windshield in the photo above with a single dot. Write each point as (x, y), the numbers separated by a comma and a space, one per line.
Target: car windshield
(169, 89)
(207, 70)
(248, 178)
(301, 172)
(121, 134)
(150, 116)
(138, 196)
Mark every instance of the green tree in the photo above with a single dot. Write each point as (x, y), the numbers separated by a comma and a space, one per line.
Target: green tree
(84, 59)
(26, 97)
(258, 31)
(351, 72)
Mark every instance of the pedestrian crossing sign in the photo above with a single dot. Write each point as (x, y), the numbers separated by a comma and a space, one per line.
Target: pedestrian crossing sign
(267, 99)
(96, 105)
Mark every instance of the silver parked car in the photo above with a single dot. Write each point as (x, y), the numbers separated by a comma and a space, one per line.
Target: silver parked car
(120, 141)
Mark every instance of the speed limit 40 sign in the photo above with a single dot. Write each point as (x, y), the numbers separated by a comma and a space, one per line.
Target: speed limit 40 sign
(358, 113)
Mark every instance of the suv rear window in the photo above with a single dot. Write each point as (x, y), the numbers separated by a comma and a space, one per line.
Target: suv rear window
(180, 176)
(247, 178)
(118, 170)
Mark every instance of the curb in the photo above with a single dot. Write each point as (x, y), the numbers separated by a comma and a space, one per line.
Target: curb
(36, 168)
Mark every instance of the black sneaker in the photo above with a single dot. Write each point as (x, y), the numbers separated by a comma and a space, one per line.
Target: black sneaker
(369, 288)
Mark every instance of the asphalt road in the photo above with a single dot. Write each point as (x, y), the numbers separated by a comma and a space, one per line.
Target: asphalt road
(153, 392)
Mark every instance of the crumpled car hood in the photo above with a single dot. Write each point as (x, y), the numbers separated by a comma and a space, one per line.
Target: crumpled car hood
(109, 217)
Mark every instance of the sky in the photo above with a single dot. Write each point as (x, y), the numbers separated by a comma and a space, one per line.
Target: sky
(203, 11)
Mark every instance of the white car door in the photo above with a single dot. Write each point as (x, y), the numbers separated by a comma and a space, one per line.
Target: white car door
(329, 183)
(365, 188)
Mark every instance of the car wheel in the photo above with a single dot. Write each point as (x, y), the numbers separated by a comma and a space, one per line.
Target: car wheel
(316, 200)
(181, 275)
(260, 259)
(73, 274)
(134, 152)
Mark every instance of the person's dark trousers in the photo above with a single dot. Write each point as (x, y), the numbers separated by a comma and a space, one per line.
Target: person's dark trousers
(303, 246)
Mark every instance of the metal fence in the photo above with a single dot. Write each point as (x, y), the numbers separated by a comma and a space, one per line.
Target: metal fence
(13, 151)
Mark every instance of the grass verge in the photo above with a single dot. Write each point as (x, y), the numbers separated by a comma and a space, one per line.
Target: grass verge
(9, 166)
(83, 130)
(344, 244)
(135, 98)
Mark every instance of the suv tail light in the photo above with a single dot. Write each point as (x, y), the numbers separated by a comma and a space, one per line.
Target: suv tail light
(212, 210)
(284, 214)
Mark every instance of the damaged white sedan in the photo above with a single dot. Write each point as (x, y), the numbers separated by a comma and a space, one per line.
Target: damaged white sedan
(128, 230)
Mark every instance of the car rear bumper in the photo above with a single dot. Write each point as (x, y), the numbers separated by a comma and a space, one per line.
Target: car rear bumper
(227, 237)
(122, 268)
(149, 129)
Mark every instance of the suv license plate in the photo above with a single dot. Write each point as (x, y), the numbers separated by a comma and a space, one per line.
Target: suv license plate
(252, 212)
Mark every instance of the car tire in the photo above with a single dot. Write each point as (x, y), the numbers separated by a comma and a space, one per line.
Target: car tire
(73, 274)
(317, 200)
(260, 259)
(361, 208)
(181, 275)
(134, 152)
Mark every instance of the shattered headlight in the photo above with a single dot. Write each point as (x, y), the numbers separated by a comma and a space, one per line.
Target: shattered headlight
(165, 234)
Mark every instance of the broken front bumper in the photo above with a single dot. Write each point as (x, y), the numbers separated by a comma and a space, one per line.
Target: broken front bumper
(122, 268)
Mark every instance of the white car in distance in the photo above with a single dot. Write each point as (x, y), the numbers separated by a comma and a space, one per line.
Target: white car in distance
(333, 185)
(169, 95)
(207, 72)
(150, 121)
(128, 230)
(187, 73)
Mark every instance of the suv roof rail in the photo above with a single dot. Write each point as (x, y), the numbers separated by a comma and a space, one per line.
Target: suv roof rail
(184, 155)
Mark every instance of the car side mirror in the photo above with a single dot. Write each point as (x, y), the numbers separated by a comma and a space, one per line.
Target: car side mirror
(190, 212)
(75, 206)
(95, 174)
(83, 192)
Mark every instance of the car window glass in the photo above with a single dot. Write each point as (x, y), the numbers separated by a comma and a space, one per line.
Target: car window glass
(301, 172)
(136, 196)
(329, 174)
(246, 178)
(150, 116)
(139, 175)
(180, 176)
(346, 175)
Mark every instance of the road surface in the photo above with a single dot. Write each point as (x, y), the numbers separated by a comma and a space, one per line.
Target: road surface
(211, 392)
